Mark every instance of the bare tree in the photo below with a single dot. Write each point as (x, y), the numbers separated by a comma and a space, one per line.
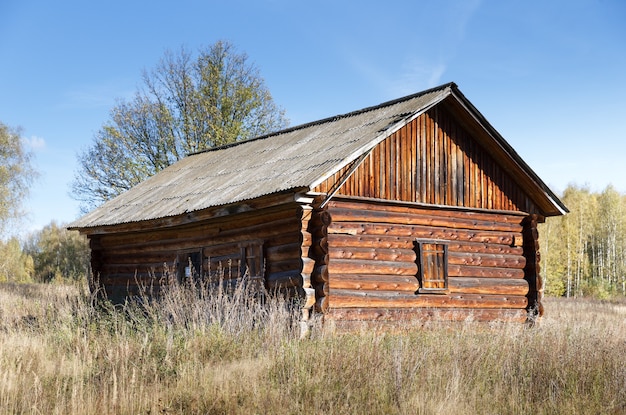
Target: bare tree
(187, 104)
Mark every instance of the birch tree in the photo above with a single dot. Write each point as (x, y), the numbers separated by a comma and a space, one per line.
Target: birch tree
(16, 175)
(584, 252)
(578, 227)
(610, 239)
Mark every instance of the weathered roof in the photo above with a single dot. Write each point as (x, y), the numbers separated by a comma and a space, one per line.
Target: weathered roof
(297, 158)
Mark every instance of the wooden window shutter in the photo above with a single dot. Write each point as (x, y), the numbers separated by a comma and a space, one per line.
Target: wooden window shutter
(252, 252)
(235, 261)
(432, 259)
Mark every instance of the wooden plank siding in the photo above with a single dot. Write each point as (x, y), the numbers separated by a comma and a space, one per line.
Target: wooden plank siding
(372, 261)
(123, 261)
(433, 160)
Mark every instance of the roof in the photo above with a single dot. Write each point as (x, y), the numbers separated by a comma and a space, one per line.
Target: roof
(297, 158)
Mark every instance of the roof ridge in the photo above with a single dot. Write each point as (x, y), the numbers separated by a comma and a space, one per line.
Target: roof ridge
(331, 118)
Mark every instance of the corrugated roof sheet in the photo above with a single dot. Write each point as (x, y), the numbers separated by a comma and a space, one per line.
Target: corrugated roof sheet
(295, 158)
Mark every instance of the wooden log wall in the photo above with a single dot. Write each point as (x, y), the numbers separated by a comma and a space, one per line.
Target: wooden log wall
(533, 269)
(372, 267)
(433, 160)
(319, 253)
(121, 262)
(308, 264)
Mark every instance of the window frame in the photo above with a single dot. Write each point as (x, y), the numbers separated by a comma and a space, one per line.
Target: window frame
(233, 263)
(186, 257)
(426, 254)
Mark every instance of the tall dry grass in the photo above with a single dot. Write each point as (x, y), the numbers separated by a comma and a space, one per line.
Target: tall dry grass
(193, 353)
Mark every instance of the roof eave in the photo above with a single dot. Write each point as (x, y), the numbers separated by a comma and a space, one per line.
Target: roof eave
(446, 90)
(295, 195)
(550, 204)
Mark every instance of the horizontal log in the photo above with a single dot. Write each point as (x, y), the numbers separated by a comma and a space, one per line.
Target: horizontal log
(305, 251)
(486, 260)
(294, 264)
(306, 280)
(284, 279)
(307, 265)
(320, 218)
(349, 266)
(397, 242)
(307, 239)
(290, 266)
(322, 289)
(316, 231)
(202, 235)
(484, 248)
(494, 223)
(309, 298)
(277, 201)
(422, 232)
(223, 224)
(375, 254)
(304, 224)
(132, 270)
(408, 314)
(131, 276)
(319, 246)
(374, 282)
(282, 252)
(505, 217)
(139, 274)
(143, 258)
(409, 255)
(321, 305)
(150, 253)
(149, 284)
(320, 274)
(285, 239)
(503, 286)
(484, 272)
(402, 299)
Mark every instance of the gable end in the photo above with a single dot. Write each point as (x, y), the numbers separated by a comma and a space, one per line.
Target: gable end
(434, 160)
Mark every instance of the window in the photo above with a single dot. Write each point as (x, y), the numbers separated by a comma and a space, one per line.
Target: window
(223, 263)
(235, 261)
(189, 264)
(228, 263)
(432, 262)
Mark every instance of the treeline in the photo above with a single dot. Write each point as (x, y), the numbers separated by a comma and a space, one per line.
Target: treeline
(52, 254)
(584, 252)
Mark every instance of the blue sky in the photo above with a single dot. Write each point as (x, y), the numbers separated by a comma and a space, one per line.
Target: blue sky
(548, 75)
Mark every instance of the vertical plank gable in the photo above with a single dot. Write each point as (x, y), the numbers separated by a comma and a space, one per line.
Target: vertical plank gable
(434, 160)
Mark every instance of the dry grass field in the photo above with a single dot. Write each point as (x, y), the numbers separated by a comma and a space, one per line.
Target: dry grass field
(199, 355)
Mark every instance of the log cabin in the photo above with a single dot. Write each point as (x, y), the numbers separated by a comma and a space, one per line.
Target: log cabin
(415, 208)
